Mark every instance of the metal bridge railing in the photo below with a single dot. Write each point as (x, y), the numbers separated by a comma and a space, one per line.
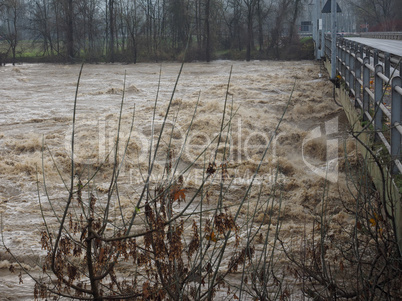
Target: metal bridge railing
(374, 80)
(383, 35)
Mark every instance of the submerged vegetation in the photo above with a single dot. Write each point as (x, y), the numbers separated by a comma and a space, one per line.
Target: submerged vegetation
(175, 238)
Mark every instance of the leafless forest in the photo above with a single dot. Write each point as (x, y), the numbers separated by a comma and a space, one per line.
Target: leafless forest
(139, 30)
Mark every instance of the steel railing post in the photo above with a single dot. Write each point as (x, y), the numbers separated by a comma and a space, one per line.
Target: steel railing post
(338, 57)
(375, 55)
(396, 114)
(378, 94)
(366, 85)
(351, 70)
(387, 64)
(346, 65)
(343, 60)
(357, 78)
(368, 53)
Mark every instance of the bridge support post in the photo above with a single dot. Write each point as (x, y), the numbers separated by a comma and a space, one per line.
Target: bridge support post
(334, 29)
(323, 28)
(315, 27)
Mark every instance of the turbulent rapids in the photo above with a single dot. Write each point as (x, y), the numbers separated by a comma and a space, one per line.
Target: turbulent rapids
(36, 110)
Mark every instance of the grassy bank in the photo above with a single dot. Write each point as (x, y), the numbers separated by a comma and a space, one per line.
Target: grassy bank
(35, 52)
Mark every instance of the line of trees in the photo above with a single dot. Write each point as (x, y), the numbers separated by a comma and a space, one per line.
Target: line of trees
(379, 15)
(131, 30)
(128, 30)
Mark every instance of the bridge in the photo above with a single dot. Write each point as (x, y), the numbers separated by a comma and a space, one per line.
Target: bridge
(394, 47)
(371, 76)
(369, 87)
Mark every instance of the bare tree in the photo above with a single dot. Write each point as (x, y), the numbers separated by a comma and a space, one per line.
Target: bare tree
(132, 20)
(111, 14)
(381, 15)
(41, 24)
(69, 19)
(233, 16)
(278, 31)
(88, 31)
(13, 11)
(179, 20)
(292, 26)
(250, 6)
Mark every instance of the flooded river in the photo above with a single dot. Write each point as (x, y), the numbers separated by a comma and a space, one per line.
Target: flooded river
(36, 107)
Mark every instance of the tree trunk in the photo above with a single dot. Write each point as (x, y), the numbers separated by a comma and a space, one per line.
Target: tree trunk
(207, 32)
(260, 30)
(111, 31)
(249, 37)
(293, 22)
(70, 30)
(250, 40)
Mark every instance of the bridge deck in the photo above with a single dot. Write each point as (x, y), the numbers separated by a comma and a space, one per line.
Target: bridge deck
(391, 46)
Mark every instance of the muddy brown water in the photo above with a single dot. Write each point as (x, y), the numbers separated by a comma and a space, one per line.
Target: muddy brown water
(36, 105)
